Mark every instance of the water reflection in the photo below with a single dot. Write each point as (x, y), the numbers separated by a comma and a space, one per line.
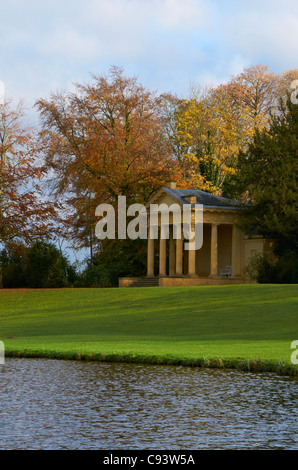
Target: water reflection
(48, 404)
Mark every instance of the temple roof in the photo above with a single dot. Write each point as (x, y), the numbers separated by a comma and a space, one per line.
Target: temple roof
(210, 201)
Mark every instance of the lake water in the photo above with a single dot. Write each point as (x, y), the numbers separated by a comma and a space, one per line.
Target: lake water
(49, 404)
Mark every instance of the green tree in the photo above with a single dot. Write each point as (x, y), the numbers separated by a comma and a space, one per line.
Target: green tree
(47, 267)
(13, 265)
(268, 172)
(117, 258)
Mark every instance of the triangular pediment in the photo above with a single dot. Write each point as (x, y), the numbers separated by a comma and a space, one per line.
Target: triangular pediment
(163, 197)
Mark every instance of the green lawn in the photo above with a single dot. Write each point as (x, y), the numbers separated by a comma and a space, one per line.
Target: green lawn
(224, 326)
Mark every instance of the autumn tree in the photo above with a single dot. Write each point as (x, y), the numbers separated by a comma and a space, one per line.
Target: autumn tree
(105, 139)
(255, 91)
(206, 136)
(25, 215)
(209, 129)
(286, 81)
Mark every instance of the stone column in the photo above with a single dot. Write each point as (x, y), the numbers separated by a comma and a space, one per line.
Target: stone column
(236, 252)
(162, 257)
(179, 257)
(150, 256)
(214, 251)
(172, 254)
(192, 261)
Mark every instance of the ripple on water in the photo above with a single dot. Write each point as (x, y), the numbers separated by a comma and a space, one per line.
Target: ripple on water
(49, 404)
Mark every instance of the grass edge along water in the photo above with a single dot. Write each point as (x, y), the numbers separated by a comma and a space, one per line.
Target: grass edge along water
(247, 328)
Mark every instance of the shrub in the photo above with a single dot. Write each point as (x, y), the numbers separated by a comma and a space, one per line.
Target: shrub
(13, 263)
(268, 270)
(117, 258)
(41, 265)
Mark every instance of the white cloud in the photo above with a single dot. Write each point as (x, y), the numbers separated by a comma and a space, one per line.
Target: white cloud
(265, 33)
(170, 14)
(167, 43)
(124, 30)
(70, 44)
(184, 14)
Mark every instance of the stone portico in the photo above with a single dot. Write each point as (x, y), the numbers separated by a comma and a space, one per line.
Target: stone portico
(225, 252)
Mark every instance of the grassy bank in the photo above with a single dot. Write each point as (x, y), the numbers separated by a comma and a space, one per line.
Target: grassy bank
(249, 327)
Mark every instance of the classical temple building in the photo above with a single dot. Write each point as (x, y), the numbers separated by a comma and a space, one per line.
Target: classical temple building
(225, 252)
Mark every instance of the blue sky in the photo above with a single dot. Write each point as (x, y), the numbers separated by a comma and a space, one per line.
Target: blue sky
(169, 44)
